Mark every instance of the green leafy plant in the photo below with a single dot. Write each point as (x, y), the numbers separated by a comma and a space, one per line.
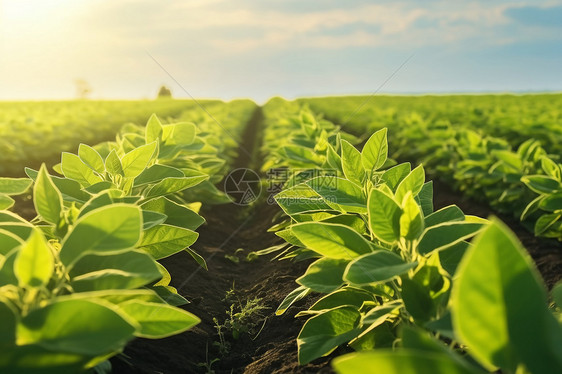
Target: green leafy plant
(242, 319)
(384, 257)
(52, 291)
(549, 201)
(499, 312)
(91, 253)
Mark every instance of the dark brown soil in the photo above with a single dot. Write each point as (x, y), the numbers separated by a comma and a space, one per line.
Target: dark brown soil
(274, 350)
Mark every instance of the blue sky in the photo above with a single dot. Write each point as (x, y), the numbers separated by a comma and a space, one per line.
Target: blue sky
(261, 48)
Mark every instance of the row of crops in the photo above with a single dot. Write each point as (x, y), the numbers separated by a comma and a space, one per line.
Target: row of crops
(404, 285)
(408, 288)
(35, 132)
(82, 279)
(505, 149)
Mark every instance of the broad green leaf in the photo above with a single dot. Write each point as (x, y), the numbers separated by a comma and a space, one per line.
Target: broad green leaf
(551, 168)
(35, 263)
(158, 320)
(411, 221)
(21, 230)
(106, 230)
(177, 215)
(156, 173)
(425, 198)
(166, 277)
(375, 151)
(103, 199)
(153, 130)
(541, 183)
(300, 198)
(71, 190)
(393, 176)
(182, 133)
(324, 275)
(46, 197)
(170, 185)
(376, 267)
(499, 306)
(417, 300)
(7, 276)
(115, 296)
(447, 234)
(295, 295)
(351, 163)
(165, 240)
(86, 327)
(323, 333)
(379, 336)
(74, 168)
(198, 258)
(510, 158)
(333, 159)
(384, 216)
(413, 182)
(6, 202)
(113, 164)
(169, 295)
(450, 213)
(403, 361)
(545, 222)
(100, 187)
(450, 258)
(339, 193)
(346, 296)
(301, 156)
(8, 241)
(380, 314)
(14, 186)
(58, 168)
(36, 359)
(126, 270)
(351, 220)
(423, 293)
(551, 202)
(91, 157)
(331, 240)
(151, 219)
(137, 160)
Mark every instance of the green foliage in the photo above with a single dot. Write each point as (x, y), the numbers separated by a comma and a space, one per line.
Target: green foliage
(499, 149)
(499, 311)
(37, 132)
(92, 250)
(391, 257)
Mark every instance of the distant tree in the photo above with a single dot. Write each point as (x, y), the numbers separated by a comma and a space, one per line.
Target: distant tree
(164, 92)
(83, 89)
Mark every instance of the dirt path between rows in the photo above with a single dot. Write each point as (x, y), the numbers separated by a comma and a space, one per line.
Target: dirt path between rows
(235, 231)
(228, 229)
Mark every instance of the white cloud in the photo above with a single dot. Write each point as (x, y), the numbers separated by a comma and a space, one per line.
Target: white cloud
(104, 41)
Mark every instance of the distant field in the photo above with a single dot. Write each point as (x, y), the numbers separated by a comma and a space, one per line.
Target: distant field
(40, 130)
(515, 118)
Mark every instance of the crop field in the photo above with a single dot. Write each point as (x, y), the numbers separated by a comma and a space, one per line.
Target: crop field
(352, 234)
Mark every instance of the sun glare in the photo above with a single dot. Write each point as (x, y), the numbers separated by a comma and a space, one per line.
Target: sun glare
(16, 15)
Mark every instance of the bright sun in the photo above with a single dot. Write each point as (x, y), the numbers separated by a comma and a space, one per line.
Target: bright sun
(16, 14)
